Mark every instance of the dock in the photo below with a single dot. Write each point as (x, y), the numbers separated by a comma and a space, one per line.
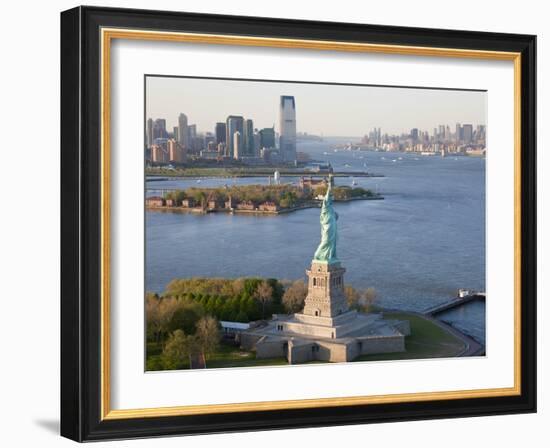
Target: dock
(456, 302)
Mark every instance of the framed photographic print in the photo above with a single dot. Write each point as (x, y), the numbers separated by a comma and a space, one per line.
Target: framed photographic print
(275, 224)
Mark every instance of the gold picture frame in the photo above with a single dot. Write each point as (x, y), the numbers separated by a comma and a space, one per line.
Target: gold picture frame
(108, 30)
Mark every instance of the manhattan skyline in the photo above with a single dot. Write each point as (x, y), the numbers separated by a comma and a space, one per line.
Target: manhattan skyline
(324, 109)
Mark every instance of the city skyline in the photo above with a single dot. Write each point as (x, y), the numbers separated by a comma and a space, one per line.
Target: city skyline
(395, 109)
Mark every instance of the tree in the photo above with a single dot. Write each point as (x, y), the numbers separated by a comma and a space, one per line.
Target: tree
(237, 287)
(152, 316)
(200, 197)
(369, 298)
(185, 316)
(177, 350)
(241, 317)
(159, 312)
(264, 294)
(352, 297)
(207, 335)
(294, 296)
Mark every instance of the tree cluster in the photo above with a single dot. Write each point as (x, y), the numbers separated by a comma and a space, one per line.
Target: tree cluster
(360, 300)
(183, 323)
(181, 329)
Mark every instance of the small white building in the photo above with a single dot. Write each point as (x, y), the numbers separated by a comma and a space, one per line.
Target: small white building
(234, 328)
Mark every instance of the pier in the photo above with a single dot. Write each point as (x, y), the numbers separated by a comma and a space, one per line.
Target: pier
(458, 301)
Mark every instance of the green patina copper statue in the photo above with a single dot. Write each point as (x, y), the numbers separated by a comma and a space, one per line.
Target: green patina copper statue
(326, 252)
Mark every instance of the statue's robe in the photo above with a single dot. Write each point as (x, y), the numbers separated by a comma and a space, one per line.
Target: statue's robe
(326, 251)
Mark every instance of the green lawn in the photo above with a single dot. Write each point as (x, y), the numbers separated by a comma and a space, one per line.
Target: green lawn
(226, 356)
(427, 340)
(231, 356)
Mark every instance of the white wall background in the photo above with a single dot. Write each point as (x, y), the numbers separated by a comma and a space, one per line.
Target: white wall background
(29, 235)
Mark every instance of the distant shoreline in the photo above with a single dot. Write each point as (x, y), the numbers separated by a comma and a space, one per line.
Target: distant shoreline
(243, 173)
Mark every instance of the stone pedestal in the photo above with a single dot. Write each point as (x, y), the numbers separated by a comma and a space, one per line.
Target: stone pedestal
(325, 296)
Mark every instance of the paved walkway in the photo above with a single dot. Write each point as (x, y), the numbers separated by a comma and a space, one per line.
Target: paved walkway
(472, 347)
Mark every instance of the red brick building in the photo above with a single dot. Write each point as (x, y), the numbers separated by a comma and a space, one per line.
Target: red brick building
(268, 207)
(154, 201)
(246, 205)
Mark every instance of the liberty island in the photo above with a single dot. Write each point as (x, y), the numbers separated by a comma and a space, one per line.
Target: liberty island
(326, 329)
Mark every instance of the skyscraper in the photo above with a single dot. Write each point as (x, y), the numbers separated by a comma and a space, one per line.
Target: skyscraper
(234, 123)
(159, 129)
(182, 137)
(447, 133)
(287, 128)
(220, 133)
(248, 138)
(441, 132)
(467, 131)
(267, 137)
(192, 138)
(175, 151)
(458, 133)
(149, 132)
(237, 145)
(480, 132)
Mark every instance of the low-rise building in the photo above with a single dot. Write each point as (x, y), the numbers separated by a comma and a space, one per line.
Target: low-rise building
(170, 203)
(214, 204)
(154, 201)
(188, 203)
(233, 328)
(268, 206)
(246, 205)
(307, 183)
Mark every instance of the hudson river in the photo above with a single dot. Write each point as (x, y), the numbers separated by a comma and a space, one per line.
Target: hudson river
(416, 247)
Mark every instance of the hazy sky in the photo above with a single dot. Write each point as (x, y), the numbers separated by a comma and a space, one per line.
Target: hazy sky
(331, 110)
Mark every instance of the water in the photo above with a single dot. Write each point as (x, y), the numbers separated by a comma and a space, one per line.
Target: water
(424, 241)
(469, 319)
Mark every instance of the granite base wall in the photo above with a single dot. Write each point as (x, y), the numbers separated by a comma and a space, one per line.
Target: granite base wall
(375, 345)
(271, 349)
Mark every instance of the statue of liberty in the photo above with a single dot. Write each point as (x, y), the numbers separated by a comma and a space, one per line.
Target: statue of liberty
(326, 252)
